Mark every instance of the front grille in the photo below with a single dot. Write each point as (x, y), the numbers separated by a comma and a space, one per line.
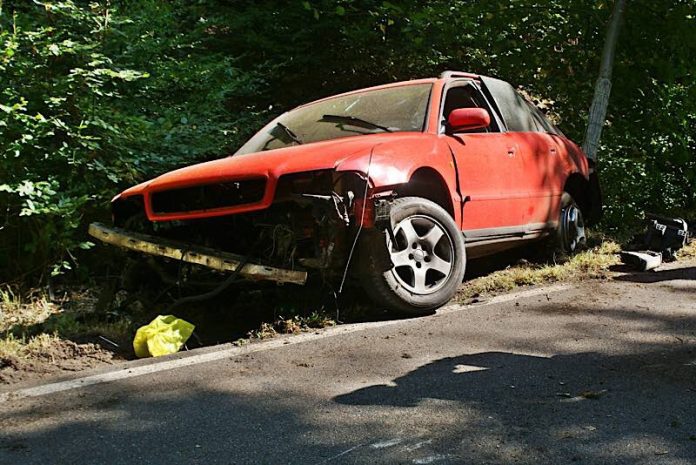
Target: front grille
(209, 196)
(127, 210)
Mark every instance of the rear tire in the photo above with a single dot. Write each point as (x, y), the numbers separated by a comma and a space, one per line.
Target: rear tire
(423, 268)
(571, 232)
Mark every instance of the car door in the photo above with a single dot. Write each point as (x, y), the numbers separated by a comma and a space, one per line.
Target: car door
(546, 167)
(488, 164)
(538, 171)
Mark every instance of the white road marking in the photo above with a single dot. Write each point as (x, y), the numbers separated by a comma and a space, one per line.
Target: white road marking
(228, 350)
(418, 445)
(341, 454)
(387, 443)
(430, 459)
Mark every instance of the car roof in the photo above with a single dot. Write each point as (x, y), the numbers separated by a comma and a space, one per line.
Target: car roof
(458, 74)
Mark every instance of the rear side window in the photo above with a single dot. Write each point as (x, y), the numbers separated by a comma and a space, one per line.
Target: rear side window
(543, 124)
(518, 114)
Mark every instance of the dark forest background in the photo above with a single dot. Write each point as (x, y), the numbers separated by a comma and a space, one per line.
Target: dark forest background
(98, 95)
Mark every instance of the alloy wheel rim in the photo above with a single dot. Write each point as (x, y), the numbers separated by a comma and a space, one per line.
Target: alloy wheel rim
(573, 227)
(422, 254)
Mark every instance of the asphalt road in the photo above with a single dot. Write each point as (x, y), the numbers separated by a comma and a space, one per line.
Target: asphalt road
(598, 373)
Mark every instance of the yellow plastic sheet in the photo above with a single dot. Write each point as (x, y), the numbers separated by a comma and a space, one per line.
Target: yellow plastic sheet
(166, 334)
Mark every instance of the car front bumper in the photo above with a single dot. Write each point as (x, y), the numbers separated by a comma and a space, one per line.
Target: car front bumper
(189, 253)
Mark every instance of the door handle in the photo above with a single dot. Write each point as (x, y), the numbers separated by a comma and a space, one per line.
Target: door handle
(553, 151)
(511, 151)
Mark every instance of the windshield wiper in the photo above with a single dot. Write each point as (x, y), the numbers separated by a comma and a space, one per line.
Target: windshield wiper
(294, 137)
(354, 121)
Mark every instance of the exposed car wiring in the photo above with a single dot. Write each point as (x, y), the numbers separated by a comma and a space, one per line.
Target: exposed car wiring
(282, 238)
(224, 285)
(215, 292)
(360, 225)
(340, 203)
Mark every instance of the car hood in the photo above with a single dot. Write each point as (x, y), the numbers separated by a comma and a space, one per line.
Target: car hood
(270, 164)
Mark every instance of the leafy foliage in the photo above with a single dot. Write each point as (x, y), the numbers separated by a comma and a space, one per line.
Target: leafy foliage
(99, 95)
(93, 101)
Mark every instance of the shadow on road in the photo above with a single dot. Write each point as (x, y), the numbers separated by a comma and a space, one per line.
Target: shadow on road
(484, 408)
(590, 407)
(585, 408)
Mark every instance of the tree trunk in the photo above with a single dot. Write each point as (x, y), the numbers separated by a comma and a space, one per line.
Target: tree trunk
(598, 110)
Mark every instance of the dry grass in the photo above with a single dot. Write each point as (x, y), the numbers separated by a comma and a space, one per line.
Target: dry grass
(265, 331)
(294, 325)
(16, 310)
(24, 349)
(589, 264)
(35, 330)
(689, 251)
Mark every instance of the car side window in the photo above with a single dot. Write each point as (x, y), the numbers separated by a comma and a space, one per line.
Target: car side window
(467, 96)
(514, 108)
(543, 124)
(548, 125)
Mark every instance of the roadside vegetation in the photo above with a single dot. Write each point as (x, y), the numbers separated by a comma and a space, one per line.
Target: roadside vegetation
(593, 263)
(40, 335)
(295, 325)
(596, 262)
(689, 251)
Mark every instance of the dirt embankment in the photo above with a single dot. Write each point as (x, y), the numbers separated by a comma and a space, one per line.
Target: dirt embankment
(42, 336)
(55, 357)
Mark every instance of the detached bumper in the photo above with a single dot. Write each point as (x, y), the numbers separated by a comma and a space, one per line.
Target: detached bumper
(211, 258)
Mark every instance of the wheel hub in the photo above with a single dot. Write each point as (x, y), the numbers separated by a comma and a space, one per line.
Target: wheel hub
(572, 227)
(422, 254)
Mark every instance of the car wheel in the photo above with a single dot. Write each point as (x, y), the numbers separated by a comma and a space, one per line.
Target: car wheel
(424, 262)
(571, 233)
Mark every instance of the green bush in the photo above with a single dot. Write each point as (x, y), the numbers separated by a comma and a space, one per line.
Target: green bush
(93, 101)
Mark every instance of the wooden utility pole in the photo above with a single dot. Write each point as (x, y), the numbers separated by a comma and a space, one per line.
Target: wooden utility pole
(598, 110)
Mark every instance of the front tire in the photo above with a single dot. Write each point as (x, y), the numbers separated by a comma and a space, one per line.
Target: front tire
(422, 268)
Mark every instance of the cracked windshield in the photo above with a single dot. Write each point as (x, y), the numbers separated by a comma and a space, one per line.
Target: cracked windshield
(395, 109)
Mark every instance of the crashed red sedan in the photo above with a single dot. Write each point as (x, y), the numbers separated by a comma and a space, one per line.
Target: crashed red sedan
(393, 186)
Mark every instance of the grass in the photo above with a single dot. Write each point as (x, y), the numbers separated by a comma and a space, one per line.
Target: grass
(15, 310)
(589, 264)
(80, 326)
(32, 326)
(689, 251)
(35, 327)
(13, 348)
(294, 325)
(592, 263)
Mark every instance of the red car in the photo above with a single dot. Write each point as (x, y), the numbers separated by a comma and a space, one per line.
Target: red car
(394, 185)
